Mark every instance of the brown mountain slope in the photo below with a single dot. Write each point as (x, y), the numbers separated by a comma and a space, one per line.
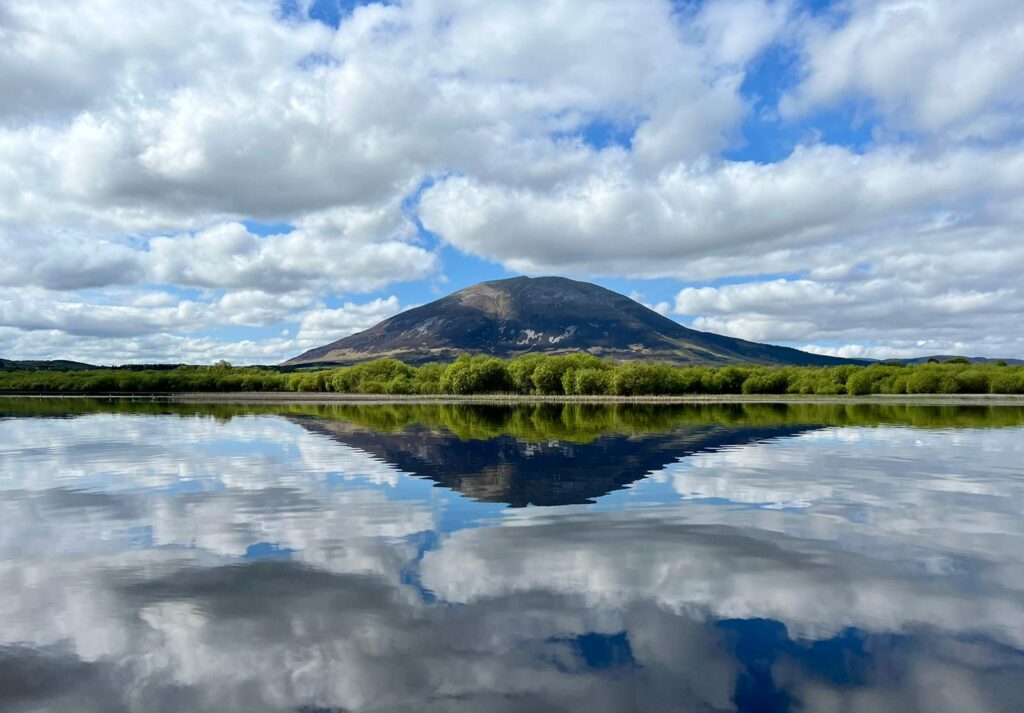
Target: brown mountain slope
(522, 315)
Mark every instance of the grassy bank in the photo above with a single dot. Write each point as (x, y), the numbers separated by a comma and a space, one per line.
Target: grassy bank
(536, 375)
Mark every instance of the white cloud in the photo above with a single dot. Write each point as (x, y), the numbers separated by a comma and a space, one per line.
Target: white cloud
(692, 217)
(949, 290)
(239, 120)
(929, 65)
(157, 326)
(134, 142)
(736, 31)
(325, 325)
(342, 250)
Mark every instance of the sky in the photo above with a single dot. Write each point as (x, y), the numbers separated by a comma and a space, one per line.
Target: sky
(246, 179)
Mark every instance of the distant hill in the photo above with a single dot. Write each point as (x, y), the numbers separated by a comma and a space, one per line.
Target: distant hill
(44, 365)
(549, 315)
(950, 357)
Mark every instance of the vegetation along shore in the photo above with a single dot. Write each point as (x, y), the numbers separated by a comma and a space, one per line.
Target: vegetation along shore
(537, 375)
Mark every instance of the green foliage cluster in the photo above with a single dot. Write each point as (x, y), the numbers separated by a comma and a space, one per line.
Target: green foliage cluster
(535, 374)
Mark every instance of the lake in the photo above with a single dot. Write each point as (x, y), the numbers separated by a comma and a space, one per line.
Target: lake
(731, 557)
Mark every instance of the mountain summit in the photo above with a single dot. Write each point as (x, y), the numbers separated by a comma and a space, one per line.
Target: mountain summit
(552, 315)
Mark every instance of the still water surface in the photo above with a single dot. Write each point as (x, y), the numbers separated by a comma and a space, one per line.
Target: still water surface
(454, 558)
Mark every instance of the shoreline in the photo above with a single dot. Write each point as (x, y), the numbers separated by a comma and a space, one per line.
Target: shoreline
(327, 398)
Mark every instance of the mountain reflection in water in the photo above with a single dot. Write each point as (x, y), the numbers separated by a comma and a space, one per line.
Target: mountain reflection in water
(507, 469)
(541, 558)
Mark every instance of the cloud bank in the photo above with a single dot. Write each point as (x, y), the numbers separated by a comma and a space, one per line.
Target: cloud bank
(240, 153)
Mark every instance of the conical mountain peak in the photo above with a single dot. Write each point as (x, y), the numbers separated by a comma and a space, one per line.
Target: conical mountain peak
(523, 315)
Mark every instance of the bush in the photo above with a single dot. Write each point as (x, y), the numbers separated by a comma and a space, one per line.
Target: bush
(724, 381)
(766, 382)
(971, 381)
(644, 379)
(1005, 381)
(591, 382)
(520, 372)
(866, 381)
(475, 375)
(547, 377)
(427, 379)
(553, 375)
(924, 381)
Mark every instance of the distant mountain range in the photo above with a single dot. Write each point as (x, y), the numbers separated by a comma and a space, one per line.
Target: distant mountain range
(550, 315)
(948, 357)
(44, 365)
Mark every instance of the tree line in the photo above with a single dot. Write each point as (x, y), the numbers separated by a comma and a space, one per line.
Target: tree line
(537, 374)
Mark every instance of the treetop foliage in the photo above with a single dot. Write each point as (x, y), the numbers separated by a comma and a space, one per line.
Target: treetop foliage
(535, 374)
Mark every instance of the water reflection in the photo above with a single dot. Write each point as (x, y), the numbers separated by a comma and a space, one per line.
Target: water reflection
(541, 471)
(160, 558)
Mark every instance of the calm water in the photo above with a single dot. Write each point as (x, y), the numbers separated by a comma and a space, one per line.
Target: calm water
(383, 558)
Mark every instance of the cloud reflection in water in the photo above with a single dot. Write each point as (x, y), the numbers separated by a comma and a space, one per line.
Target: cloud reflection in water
(261, 563)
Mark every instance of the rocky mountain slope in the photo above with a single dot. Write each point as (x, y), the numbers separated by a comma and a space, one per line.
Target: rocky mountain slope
(553, 315)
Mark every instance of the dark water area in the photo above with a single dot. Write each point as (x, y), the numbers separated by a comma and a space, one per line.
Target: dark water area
(730, 557)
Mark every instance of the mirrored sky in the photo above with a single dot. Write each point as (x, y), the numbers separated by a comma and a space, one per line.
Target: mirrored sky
(295, 563)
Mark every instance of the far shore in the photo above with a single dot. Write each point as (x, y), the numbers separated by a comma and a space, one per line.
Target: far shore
(291, 397)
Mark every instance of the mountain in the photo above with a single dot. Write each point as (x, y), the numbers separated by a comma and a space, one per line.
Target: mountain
(44, 365)
(551, 315)
(950, 357)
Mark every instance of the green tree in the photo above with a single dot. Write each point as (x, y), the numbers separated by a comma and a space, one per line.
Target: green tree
(592, 382)
(644, 379)
(475, 375)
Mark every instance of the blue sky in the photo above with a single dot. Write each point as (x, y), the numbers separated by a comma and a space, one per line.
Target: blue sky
(245, 180)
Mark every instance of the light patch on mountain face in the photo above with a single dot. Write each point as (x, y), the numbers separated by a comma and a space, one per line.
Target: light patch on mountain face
(530, 335)
(568, 333)
(421, 328)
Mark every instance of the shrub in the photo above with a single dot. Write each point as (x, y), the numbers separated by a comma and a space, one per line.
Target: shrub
(971, 381)
(475, 375)
(1006, 381)
(520, 372)
(427, 379)
(690, 380)
(547, 377)
(766, 382)
(591, 382)
(924, 381)
(644, 379)
(866, 381)
(728, 380)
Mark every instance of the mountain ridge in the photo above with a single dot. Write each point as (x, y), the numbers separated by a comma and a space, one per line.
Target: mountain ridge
(550, 315)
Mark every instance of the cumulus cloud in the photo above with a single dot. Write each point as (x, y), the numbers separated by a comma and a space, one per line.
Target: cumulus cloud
(147, 327)
(695, 217)
(137, 145)
(324, 325)
(343, 250)
(946, 289)
(131, 155)
(295, 118)
(941, 67)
